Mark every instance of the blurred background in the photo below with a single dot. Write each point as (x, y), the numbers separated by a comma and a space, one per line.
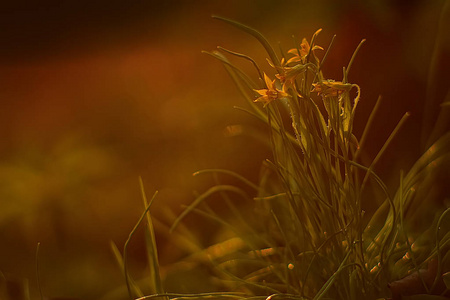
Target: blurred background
(95, 94)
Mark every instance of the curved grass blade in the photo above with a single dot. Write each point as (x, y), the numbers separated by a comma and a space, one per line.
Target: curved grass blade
(438, 248)
(152, 252)
(244, 57)
(347, 70)
(205, 195)
(331, 280)
(231, 173)
(125, 251)
(369, 122)
(131, 284)
(233, 295)
(243, 83)
(241, 75)
(256, 34)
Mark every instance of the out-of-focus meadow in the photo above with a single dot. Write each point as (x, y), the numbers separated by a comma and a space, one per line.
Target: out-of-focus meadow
(95, 95)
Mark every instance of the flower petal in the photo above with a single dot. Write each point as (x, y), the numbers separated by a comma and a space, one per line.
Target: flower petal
(268, 81)
(262, 92)
(317, 48)
(293, 51)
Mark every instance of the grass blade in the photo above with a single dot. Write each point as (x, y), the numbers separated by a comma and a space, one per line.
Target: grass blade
(255, 34)
(152, 252)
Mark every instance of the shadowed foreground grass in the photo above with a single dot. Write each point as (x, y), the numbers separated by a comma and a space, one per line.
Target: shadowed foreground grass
(306, 234)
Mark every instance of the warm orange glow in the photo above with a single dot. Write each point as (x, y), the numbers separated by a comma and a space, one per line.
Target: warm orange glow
(91, 99)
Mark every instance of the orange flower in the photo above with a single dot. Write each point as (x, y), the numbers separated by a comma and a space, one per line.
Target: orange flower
(287, 75)
(271, 93)
(301, 53)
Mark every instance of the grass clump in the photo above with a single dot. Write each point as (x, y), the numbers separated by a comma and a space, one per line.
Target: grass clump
(307, 235)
